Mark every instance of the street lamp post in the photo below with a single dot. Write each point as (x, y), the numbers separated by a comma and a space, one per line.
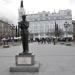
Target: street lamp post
(16, 31)
(56, 32)
(12, 33)
(66, 25)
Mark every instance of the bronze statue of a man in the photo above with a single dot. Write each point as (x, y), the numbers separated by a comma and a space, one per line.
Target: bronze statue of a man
(23, 25)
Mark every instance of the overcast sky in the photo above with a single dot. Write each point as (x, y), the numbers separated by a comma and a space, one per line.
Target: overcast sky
(9, 8)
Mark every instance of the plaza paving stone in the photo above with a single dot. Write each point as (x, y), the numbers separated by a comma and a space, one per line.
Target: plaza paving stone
(54, 59)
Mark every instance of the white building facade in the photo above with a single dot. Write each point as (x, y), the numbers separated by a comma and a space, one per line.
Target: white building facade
(42, 23)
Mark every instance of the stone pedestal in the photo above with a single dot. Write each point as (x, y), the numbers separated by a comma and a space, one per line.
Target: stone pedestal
(5, 46)
(25, 59)
(68, 44)
(25, 63)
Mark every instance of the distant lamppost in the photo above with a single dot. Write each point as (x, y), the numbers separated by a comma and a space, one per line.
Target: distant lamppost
(16, 31)
(66, 25)
(12, 33)
(56, 30)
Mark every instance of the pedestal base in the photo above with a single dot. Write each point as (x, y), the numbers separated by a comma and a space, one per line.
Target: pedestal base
(5, 46)
(68, 44)
(24, 59)
(33, 68)
(25, 63)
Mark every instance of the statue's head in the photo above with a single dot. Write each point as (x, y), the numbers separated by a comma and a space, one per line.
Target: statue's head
(23, 17)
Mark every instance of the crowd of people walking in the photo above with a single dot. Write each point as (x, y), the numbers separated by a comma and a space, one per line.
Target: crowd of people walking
(46, 40)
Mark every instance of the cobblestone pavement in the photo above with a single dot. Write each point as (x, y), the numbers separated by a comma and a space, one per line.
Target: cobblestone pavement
(54, 59)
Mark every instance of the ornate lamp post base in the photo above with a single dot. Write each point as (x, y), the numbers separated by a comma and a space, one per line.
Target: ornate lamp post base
(5, 46)
(5, 43)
